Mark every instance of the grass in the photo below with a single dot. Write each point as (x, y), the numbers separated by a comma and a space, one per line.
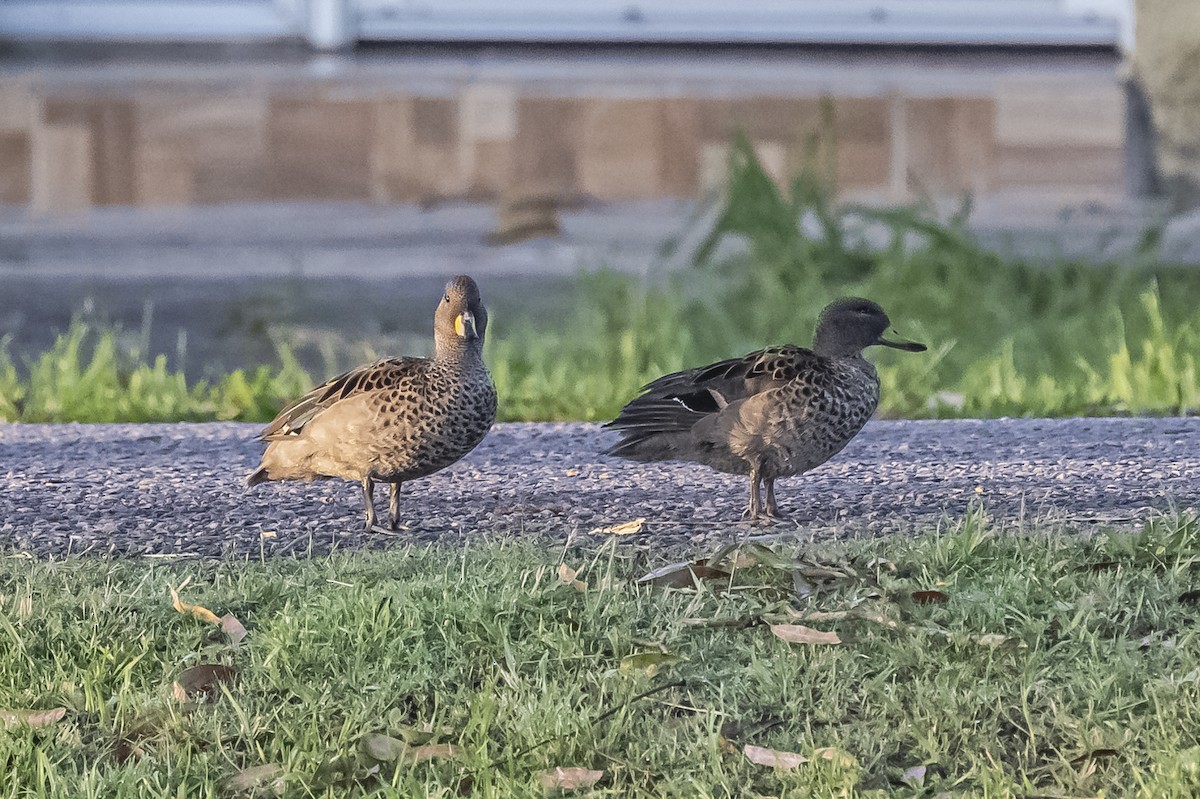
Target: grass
(1040, 664)
(1008, 337)
(91, 375)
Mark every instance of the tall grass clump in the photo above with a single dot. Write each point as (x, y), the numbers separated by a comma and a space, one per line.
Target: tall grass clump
(1007, 336)
(93, 375)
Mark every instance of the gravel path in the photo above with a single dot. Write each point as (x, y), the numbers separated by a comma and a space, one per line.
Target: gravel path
(177, 488)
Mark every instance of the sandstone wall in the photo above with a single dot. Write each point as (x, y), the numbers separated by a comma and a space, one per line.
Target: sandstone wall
(70, 140)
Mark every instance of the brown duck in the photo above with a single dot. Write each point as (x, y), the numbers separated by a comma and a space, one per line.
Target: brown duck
(394, 420)
(775, 413)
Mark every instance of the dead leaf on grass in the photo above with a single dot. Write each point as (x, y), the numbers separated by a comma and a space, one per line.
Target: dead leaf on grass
(682, 575)
(801, 587)
(835, 756)
(625, 528)
(762, 756)
(649, 663)
(573, 778)
(198, 611)
(568, 576)
(383, 747)
(998, 641)
(387, 749)
(914, 777)
(126, 749)
(732, 623)
(419, 754)
(37, 719)
(860, 613)
(258, 780)
(233, 628)
(202, 683)
(1163, 640)
(930, 597)
(754, 554)
(799, 634)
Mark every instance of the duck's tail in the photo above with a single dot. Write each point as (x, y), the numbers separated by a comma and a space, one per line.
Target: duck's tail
(260, 475)
(653, 428)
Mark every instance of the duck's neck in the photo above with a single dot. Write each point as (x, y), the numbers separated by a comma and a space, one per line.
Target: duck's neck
(833, 350)
(458, 353)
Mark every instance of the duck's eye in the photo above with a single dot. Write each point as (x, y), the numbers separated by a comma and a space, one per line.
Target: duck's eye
(445, 298)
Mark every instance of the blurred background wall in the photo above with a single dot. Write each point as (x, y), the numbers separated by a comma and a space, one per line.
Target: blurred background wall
(166, 103)
(1166, 70)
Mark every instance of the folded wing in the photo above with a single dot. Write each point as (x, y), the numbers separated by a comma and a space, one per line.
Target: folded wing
(657, 424)
(384, 374)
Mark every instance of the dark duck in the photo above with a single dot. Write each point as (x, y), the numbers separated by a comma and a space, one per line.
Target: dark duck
(774, 413)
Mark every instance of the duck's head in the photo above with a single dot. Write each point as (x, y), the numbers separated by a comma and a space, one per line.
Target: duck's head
(848, 326)
(461, 320)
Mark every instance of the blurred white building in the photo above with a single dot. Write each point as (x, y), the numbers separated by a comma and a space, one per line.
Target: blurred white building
(333, 23)
(1020, 103)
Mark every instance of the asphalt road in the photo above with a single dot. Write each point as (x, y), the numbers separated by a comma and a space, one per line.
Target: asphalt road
(176, 489)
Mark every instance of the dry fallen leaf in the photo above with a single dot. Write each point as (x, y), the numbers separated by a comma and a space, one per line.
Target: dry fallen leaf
(648, 662)
(863, 613)
(388, 749)
(996, 641)
(31, 718)
(762, 756)
(569, 779)
(202, 683)
(201, 613)
(914, 777)
(835, 756)
(568, 576)
(383, 747)
(753, 554)
(233, 628)
(259, 780)
(799, 634)
(419, 754)
(930, 597)
(682, 575)
(625, 528)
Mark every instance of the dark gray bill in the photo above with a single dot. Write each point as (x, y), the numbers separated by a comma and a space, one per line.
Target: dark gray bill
(907, 346)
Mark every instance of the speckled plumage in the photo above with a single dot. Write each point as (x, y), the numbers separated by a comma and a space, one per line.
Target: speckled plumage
(774, 413)
(395, 420)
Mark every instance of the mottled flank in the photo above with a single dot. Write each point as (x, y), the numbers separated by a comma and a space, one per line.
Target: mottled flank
(394, 420)
(775, 413)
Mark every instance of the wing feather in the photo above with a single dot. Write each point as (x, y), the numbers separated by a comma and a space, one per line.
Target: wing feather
(738, 378)
(381, 375)
(674, 404)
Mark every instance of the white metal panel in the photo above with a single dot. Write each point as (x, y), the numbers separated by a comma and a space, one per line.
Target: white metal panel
(150, 20)
(936, 22)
